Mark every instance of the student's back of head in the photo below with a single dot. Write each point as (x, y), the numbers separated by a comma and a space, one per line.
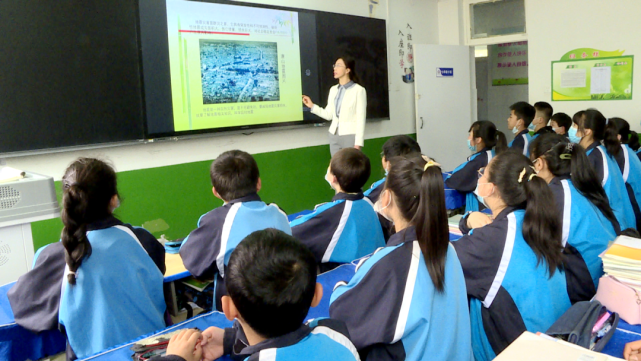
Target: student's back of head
(602, 130)
(271, 280)
(543, 110)
(89, 187)
(234, 174)
(400, 146)
(629, 137)
(491, 137)
(351, 168)
(525, 111)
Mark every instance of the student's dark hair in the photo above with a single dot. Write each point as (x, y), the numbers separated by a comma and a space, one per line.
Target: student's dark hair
(544, 108)
(631, 232)
(629, 137)
(563, 120)
(577, 117)
(351, 168)
(633, 141)
(399, 146)
(88, 187)
(525, 111)
(513, 175)
(419, 194)
(271, 278)
(234, 174)
(492, 137)
(555, 149)
(602, 130)
(350, 64)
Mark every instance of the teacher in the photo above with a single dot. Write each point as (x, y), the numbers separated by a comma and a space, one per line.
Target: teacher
(346, 107)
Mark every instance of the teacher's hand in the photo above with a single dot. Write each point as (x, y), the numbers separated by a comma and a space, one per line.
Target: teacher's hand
(308, 102)
(358, 147)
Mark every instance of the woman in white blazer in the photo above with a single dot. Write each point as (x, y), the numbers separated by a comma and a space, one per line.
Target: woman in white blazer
(346, 108)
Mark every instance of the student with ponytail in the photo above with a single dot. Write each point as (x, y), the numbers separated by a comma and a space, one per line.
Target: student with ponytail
(512, 260)
(588, 221)
(76, 283)
(486, 141)
(628, 162)
(592, 131)
(408, 301)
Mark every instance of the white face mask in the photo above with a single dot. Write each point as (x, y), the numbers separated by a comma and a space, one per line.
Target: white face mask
(515, 130)
(379, 209)
(481, 198)
(327, 179)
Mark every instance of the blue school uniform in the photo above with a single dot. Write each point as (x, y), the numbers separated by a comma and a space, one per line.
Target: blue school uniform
(510, 291)
(521, 142)
(206, 251)
(612, 181)
(340, 231)
(630, 167)
(393, 311)
(586, 234)
(465, 177)
(374, 192)
(639, 153)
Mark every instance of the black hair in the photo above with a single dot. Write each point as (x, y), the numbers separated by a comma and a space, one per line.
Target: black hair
(88, 186)
(513, 175)
(544, 108)
(525, 111)
(419, 194)
(351, 168)
(492, 137)
(602, 130)
(631, 232)
(554, 149)
(350, 64)
(562, 120)
(400, 145)
(578, 117)
(271, 278)
(629, 137)
(234, 174)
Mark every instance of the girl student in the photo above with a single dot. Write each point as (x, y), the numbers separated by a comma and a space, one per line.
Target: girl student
(588, 223)
(592, 132)
(421, 312)
(627, 160)
(486, 141)
(512, 260)
(103, 283)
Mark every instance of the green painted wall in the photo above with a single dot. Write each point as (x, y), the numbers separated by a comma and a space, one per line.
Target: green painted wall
(170, 200)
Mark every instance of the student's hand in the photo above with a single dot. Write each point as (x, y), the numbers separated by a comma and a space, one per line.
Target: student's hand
(632, 351)
(358, 147)
(478, 220)
(308, 102)
(212, 343)
(186, 345)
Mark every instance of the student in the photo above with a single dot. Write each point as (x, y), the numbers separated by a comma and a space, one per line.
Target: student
(521, 115)
(512, 260)
(74, 283)
(543, 114)
(486, 141)
(408, 301)
(561, 124)
(577, 119)
(627, 160)
(588, 221)
(592, 132)
(271, 284)
(236, 181)
(346, 228)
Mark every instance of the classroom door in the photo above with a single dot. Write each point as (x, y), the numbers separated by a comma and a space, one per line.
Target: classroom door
(445, 101)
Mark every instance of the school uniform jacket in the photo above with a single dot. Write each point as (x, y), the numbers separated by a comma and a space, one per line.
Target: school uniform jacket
(613, 184)
(109, 304)
(639, 153)
(393, 311)
(521, 142)
(630, 167)
(510, 292)
(586, 233)
(340, 231)
(465, 177)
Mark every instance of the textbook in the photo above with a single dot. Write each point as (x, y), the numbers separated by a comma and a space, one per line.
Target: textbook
(623, 261)
(536, 347)
(196, 284)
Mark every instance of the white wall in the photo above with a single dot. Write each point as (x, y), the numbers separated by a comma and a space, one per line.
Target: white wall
(421, 14)
(555, 27)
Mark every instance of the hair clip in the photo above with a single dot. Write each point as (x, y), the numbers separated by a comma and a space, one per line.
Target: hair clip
(565, 156)
(522, 175)
(531, 176)
(569, 147)
(430, 164)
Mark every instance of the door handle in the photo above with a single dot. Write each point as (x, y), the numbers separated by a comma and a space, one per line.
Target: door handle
(422, 122)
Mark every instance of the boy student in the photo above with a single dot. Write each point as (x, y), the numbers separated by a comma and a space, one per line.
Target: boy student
(346, 228)
(521, 115)
(542, 116)
(561, 124)
(206, 251)
(272, 284)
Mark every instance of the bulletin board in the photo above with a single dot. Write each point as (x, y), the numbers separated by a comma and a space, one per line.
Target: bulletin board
(593, 79)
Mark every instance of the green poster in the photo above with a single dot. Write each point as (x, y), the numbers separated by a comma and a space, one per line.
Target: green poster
(593, 79)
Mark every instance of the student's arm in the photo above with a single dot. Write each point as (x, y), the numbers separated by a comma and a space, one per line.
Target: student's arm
(361, 110)
(154, 249)
(466, 178)
(326, 113)
(518, 143)
(201, 248)
(596, 159)
(317, 229)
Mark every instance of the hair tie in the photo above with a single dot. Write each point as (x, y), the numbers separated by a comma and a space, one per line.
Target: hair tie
(430, 164)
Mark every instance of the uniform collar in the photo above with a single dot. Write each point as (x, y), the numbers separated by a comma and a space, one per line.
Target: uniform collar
(348, 196)
(347, 85)
(104, 223)
(546, 129)
(524, 131)
(505, 212)
(594, 144)
(558, 179)
(252, 197)
(289, 339)
(406, 235)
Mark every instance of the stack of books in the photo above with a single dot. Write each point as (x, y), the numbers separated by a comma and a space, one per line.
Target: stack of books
(623, 261)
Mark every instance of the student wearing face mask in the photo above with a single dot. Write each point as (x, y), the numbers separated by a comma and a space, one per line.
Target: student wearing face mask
(541, 119)
(592, 132)
(485, 141)
(521, 116)
(512, 260)
(589, 224)
(577, 118)
(561, 123)
(408, 300)
(346, 228)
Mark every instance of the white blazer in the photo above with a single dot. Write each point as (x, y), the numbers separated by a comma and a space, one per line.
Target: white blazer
(353, 109)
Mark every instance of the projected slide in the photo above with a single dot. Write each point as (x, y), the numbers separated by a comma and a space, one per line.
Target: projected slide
(232, 65)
